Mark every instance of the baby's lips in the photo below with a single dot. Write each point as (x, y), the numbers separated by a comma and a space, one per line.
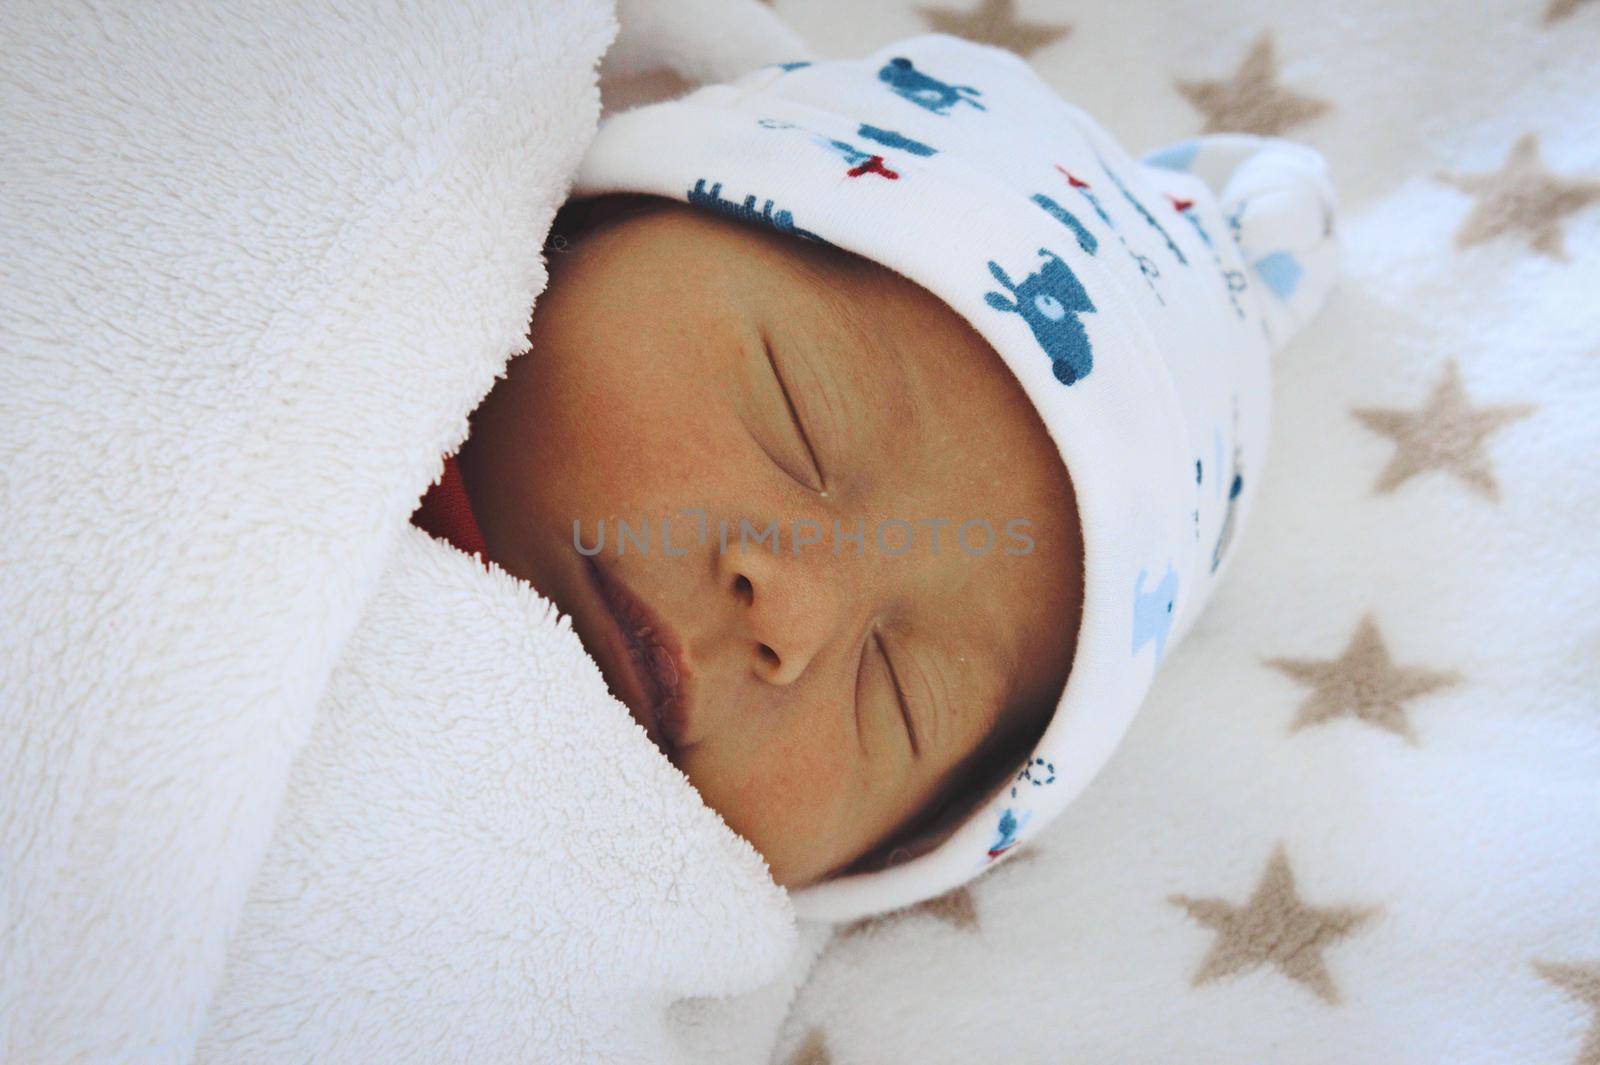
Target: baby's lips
(654, 650)
(665, 669)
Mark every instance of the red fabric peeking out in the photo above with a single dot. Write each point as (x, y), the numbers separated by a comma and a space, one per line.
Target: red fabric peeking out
(446, 513)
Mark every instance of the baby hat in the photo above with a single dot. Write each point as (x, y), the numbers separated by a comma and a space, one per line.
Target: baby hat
(1138, 304)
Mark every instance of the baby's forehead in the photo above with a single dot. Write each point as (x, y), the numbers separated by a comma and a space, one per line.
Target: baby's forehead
(923, 401)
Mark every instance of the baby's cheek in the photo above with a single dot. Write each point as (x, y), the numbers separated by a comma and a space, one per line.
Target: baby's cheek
(660, 450)
(793, 803)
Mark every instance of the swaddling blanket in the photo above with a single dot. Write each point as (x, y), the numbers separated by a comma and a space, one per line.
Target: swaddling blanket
(474, 835)
(283, 778)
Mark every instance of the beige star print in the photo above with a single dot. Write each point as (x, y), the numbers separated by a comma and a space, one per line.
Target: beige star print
(1275, 927)
(1560, 9)
(813, 1050)
(1363, 683)
(995, 22)
(1582, 982)
(1522, 197)
(1252, 101)
(955, 908)
(1447, 434)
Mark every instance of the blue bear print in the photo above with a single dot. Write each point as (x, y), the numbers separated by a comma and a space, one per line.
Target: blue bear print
(1006, 832)
(926, 92)
(1152, 610)
(1050, 301)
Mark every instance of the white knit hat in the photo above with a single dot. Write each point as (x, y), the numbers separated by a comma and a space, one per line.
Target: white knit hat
(1137, 304)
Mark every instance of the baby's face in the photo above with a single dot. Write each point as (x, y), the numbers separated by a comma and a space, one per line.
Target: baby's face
(693, 371)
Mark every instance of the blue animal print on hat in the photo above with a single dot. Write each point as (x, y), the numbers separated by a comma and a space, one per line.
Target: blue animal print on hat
(957, 168)
(1232, 280)
(926, 92)
(1225, 537)
(1050, 300)
(1039, 771)
(1147, 267)
(1144, 212)
(892, 139)
(1152, 610)
(1086, 240)
(1006, 832)
(860, 162)
(782, 221)
(1235, 489)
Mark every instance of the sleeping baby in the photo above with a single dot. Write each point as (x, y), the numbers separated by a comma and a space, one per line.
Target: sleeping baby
(884, 426)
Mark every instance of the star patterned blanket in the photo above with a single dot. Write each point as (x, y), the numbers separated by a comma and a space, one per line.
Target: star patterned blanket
(1359, 816)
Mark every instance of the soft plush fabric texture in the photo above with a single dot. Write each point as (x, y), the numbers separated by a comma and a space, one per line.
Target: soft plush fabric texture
(282, 777)
(1431, 779)
(1137, 305)
(478, 859)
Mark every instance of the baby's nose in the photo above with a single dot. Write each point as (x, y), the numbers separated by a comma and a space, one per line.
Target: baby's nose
(788, 607)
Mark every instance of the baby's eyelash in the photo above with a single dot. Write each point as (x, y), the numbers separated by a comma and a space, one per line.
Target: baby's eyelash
(905, 711)
(794, 415)
(861, 664)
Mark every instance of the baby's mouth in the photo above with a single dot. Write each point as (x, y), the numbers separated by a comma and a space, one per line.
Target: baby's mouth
(654, 655)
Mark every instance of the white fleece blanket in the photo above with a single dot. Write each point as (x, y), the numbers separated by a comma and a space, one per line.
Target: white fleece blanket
(282, 778)
(1437, 809)
(473, 838)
